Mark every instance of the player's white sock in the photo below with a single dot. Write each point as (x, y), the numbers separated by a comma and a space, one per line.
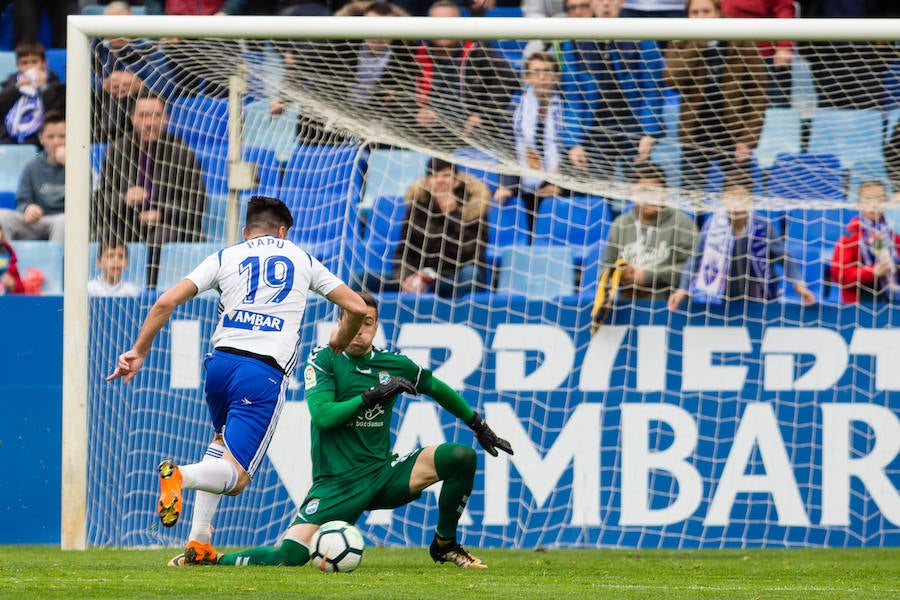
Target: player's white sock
(212, 474)
(205, 504)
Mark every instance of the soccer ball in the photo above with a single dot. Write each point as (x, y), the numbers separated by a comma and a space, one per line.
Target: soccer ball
(336, 546)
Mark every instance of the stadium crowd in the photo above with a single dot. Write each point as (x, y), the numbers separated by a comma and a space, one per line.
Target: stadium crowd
(585, 109)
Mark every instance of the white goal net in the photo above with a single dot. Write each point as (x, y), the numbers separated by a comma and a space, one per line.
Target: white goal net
(758, 411)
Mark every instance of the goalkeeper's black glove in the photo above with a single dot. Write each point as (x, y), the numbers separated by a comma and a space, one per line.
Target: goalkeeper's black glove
(486, 436)
(386, 390)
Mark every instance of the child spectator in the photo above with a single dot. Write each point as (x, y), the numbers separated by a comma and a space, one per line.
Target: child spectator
(112, 259)
(735, 256)
(41, 197)
(654, 240)
(866, 256)
(28, 94)
(10, 282)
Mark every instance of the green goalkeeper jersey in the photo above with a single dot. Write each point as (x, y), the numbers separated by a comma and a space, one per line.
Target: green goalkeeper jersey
(347, 440)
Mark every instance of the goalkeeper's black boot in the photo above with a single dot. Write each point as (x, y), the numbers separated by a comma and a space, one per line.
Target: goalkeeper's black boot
(449, 550)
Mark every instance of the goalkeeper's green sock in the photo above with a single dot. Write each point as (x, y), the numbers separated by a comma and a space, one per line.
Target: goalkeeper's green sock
(455, 465)
(290, 553)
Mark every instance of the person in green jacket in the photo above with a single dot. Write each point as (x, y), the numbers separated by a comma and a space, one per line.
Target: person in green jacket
(350, 397)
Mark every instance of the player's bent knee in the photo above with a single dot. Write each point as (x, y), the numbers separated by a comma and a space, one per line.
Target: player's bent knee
(242, 482)
(455, 459)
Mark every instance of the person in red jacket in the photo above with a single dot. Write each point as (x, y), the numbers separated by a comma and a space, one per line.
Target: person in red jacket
(865, 259)
(10, 282)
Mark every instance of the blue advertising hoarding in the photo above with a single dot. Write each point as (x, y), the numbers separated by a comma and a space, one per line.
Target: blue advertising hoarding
(757, 425)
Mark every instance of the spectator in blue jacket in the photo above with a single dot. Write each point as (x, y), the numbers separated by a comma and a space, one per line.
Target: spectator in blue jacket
(41, 196)
(613, 92)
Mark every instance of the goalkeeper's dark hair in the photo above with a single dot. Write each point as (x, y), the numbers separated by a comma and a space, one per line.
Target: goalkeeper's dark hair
(369, 300)
(264, 212)
(650, 171)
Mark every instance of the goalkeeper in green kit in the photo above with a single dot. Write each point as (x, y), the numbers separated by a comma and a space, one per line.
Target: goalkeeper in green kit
(350, 397)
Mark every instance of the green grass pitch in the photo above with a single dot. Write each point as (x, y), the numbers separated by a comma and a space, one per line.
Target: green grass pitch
(396, 573)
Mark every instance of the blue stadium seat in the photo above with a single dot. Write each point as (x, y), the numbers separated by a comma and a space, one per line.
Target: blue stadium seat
(806, 177)
(512, 51)
(322, 185)
(507, 226)
(590, 270)
(200, 120)
(579, 222)
(667, 155)
(468, 158)
(375, 251)
(7, 63)
(177, 259)
(214, 162)
(135, 273)
(671, 112)
(781, 133)
(892, 86)
(891, 118)
(810, 237)
(45, 256)
(538, 272)
(854, 136)
(268, 169)
(277, 132)
(504, 11)
(391, 171)
(56, 62)
(98, 152)
(265, 73)
(803, 88)
(13, 159)
(214, 218)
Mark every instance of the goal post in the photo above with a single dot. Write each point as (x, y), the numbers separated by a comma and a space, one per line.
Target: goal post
(662, 429)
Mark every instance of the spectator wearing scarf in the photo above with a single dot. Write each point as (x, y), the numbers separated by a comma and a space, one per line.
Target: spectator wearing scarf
(735, 257)
(537, 130)
(865, 258)
(28, 94)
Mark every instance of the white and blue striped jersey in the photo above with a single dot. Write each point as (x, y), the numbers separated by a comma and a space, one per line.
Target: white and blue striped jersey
(263, 284)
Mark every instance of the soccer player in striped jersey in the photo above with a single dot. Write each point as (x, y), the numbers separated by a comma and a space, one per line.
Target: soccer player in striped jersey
(263, 284)
(351, 395)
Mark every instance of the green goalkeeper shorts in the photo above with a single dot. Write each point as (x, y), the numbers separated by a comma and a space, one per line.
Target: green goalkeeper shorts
(347, 499)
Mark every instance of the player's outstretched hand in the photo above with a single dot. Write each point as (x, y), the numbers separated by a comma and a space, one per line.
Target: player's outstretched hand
(129, 364)
(386, 390)
(486, 436)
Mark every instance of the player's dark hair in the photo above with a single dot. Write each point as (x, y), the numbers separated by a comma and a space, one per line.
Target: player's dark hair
(53, 116)
(436, 165)
(649, 171)
(264, 212)
(739, 179)
(369, 300)
(109, 244)
(30, 48)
